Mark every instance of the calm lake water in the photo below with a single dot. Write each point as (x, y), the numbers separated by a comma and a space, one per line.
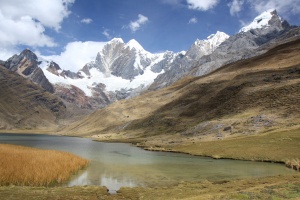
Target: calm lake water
(115, 164)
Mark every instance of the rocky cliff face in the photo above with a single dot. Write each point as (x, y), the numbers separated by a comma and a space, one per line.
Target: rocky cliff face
(55, 69)
(26, 64)
(182, 64)
(125, 60)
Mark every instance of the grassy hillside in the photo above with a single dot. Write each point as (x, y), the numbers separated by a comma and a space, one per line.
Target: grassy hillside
(243, 98)
(24, 105)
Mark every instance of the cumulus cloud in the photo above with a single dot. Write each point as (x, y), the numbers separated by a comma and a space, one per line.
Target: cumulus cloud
(24, 22)
(193, 20)
(202, 5)
(86, 20)
(23, 31)
(285, 7)
(77, 54)
(49, 13)
(236, 6)
(136, 25)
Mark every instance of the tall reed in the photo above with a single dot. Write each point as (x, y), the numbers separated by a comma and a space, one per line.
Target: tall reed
(35, 167)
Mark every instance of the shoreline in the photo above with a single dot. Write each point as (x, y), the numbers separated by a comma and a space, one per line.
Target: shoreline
(135, 142)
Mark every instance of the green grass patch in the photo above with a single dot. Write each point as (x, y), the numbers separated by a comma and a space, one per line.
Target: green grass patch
(274, 146)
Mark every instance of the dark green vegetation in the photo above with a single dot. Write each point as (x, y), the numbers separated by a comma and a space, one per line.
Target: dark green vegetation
(24, 105)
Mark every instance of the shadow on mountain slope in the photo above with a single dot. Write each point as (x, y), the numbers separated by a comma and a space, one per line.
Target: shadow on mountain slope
(246, 97)
(25, 105)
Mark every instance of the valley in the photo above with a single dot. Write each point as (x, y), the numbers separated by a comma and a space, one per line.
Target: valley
(227, 97)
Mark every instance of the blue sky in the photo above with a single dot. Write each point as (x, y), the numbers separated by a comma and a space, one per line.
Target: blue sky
(168, 26)
(54, 27)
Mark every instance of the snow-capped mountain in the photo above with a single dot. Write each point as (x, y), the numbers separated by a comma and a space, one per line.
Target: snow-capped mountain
(264, 20)
(207, 46)
(124, 69)
(249, 42)
(119, 66)
(252, 40)
(119, 70)
(183, 63)
(123, 60)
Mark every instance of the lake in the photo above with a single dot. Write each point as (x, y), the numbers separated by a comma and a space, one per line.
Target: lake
(116, 164)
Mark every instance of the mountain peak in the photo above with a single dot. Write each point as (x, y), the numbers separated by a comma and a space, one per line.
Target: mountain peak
(116, 40)
(261, 21)
(217, 38)
(133, 44)
(213, 40)
(217, 34)
(28, 54)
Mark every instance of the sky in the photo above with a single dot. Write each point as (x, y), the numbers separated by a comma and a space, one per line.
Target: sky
(71, 32)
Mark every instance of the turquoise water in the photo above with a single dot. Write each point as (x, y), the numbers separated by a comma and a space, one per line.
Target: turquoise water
(116, 164)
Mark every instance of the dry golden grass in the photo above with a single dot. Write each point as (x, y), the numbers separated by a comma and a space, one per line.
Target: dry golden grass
(35, 167)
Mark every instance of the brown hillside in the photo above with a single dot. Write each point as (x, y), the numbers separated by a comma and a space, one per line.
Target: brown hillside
(24, 105)
(247, 97)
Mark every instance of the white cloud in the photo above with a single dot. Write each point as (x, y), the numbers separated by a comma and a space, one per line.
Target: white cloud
(86, 20)
(49, 13)
(193, 20)
(106, 34)
(136, 25)
(236, 6)
(202, 5)
(23, 31)
(24, 22)
(285, 7)
(6, 53)
(77, 54)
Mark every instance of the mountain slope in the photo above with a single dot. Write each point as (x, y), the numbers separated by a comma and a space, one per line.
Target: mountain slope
(24, 105)
(243, 98)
